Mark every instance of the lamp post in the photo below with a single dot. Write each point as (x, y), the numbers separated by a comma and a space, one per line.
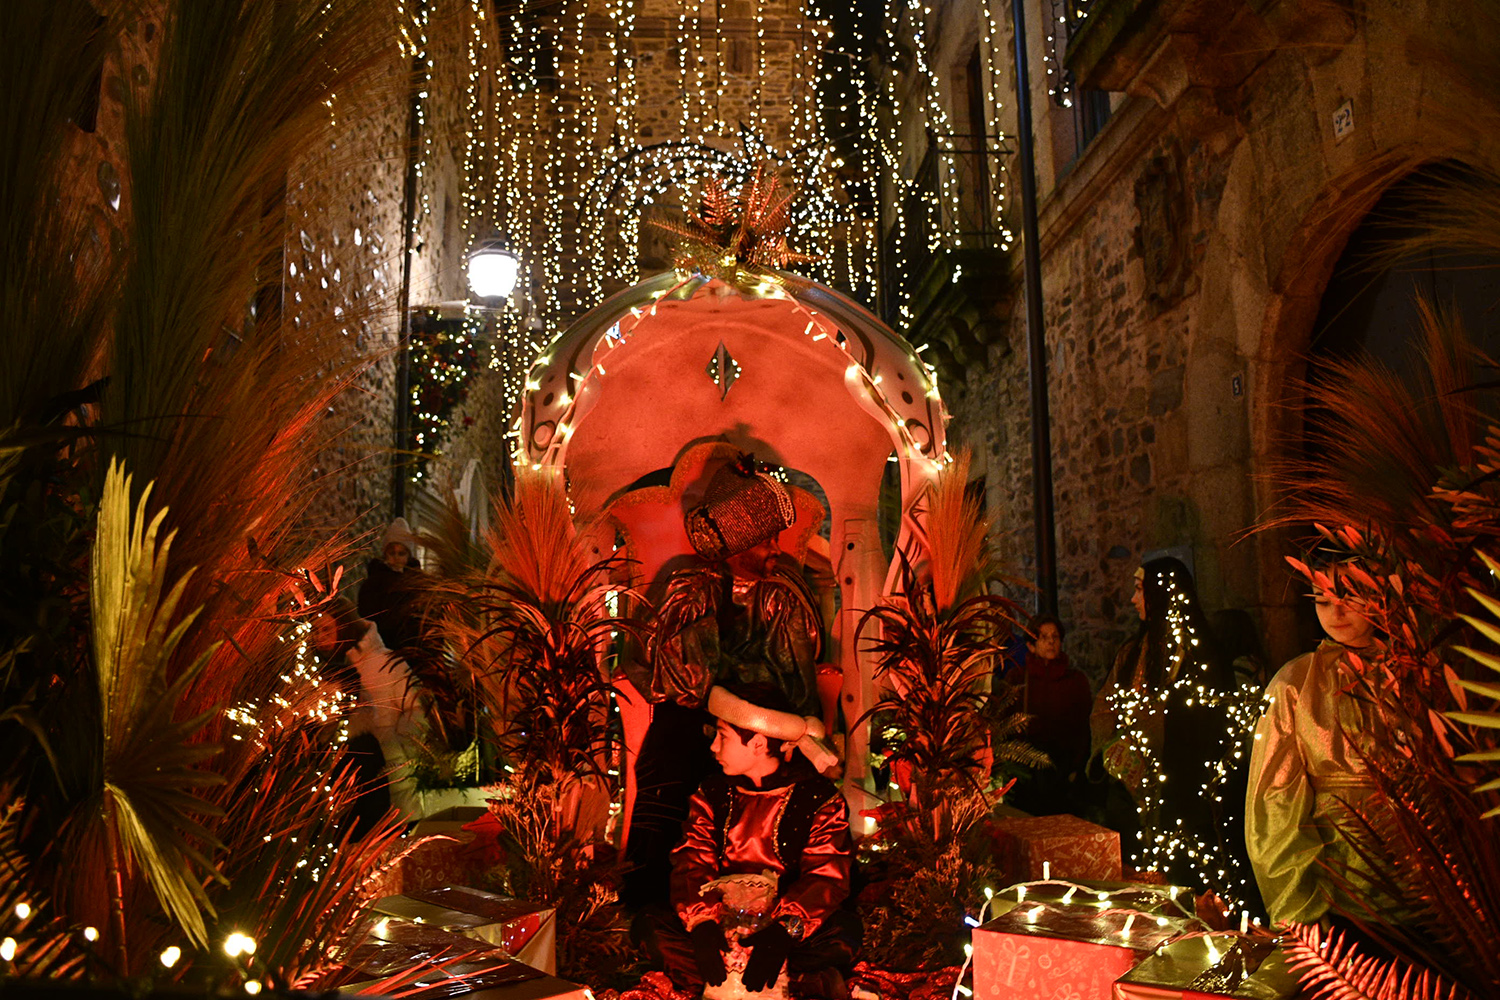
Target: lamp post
(1036, 342)
(493, 271)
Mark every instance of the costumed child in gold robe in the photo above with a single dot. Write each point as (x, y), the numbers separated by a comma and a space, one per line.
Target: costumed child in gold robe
(1306, 768)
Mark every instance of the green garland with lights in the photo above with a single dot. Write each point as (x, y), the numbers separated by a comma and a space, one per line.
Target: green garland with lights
(446, 353)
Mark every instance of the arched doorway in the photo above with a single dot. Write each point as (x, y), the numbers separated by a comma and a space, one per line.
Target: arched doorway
(1374, 310)
(1371, 307)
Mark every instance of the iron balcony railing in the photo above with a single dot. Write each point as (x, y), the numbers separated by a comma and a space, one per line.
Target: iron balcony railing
(956, 200)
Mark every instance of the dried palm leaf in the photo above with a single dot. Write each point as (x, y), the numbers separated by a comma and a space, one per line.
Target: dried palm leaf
(221, 402)
(300, 880)
(46, 947)
(54, 274)
(535, 630)
(149, 760)
(1332, 967)
(222, 405)
(534, 544)
(1383, 442)
(936, 664)
(735, 233)
(448, 536)
(955, 535)
(1488, 753)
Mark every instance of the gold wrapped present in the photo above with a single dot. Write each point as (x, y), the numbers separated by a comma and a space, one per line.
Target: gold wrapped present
(1200, 966)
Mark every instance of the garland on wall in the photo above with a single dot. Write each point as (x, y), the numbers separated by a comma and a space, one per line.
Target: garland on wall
(446, 353)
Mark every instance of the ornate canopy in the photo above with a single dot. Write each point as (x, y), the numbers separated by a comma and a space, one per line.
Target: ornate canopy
(779, 366)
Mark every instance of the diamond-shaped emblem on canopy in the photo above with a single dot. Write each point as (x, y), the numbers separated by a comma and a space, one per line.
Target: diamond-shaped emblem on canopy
(723, 369)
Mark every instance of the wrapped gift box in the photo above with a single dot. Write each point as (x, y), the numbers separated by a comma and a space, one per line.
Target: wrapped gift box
(1046, 949)
(436, 964)
(1153, 899)
(523, 930)
(1073, 848)
(449, 850)
(1198, 967)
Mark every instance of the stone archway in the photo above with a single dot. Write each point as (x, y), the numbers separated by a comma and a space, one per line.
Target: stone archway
(1276, 303)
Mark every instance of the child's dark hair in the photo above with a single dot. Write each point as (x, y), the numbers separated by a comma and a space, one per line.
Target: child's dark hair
(761, 695)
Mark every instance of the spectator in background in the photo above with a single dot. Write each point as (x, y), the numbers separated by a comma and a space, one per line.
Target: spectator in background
(391, 594)
(402, 601)
(1058, 699)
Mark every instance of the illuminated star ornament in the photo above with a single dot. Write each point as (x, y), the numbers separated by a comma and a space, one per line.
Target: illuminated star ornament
(736, 237)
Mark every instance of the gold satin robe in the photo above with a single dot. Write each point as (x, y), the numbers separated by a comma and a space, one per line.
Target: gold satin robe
(1303, 769)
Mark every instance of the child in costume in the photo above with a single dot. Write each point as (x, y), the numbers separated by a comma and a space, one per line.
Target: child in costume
(1306, 768)
(760, 881)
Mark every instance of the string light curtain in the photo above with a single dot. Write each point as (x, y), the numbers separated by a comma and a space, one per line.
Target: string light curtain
(585, 118)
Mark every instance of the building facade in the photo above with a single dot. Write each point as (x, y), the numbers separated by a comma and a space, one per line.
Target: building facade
(1200, 177)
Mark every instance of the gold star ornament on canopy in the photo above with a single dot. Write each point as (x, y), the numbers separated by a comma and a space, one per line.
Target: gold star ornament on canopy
(734, 236)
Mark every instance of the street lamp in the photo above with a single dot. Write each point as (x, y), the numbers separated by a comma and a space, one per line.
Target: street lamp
(492, 272)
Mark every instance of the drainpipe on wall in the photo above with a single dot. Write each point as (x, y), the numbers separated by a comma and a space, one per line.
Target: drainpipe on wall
(1036, 341)
(401, 419)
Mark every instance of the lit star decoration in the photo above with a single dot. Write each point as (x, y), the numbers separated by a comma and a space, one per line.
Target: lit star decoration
(1141, 713)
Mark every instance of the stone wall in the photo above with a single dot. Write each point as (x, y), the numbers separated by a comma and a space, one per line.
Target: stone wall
(345, 210)
(1184, 256)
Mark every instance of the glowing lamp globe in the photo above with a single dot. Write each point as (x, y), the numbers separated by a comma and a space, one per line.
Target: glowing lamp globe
(492, 273)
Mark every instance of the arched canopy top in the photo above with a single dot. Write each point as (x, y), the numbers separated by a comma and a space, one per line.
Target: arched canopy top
(783, 367)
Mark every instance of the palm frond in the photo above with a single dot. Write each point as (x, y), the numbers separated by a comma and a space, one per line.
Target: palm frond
(149, 766)
(223, 404)
(447, 535)
(1383, 442)
(299, 879)
(733, 232)
(936, 665)
(46, 948)
(54, 262)
(535, 629)
(1487, 756)
(534, 543)
(956, 537)
(1332, 968)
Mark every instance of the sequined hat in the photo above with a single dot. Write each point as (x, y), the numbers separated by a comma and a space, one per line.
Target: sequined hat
(741, 508)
